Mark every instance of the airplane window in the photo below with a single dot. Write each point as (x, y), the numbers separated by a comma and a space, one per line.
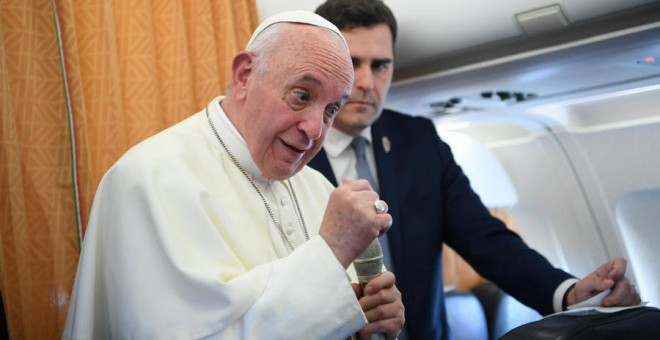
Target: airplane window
(550, 206)
(487, 176)
(637, 214)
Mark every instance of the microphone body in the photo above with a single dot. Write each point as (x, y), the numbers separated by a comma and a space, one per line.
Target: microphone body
(367, 266)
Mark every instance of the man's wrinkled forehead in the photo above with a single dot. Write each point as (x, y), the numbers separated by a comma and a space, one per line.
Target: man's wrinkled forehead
(301, 17)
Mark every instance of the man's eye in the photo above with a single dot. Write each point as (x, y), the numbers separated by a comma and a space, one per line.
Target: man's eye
(297, 99)
(332, 110)
(380, 65)
(302, 96)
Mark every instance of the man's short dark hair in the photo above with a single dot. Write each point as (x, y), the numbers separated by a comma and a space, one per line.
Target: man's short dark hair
(349, 14)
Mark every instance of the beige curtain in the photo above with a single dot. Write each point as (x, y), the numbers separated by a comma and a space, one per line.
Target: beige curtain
(81, 81)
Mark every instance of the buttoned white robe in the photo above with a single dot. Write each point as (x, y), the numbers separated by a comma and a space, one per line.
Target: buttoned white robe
(179, 245)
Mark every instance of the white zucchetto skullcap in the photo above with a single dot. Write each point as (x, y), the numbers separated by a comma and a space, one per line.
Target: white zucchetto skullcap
(301, 17)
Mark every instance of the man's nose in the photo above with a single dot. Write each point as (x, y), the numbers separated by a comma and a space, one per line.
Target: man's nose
(364, 78)
(312, 123)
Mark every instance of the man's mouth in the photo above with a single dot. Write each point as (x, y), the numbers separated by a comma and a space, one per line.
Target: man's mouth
(360, 102)
(297, 149)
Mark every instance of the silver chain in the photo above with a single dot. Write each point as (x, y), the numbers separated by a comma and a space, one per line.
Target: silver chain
(263, 199)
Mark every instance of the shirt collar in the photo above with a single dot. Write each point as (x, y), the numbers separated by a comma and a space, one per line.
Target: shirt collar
(336, 141)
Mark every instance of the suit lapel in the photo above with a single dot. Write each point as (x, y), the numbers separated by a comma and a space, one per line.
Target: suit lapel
(321, 163)
(384, 147)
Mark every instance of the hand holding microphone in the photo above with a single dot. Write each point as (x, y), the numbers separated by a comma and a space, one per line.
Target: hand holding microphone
(354, 218)
(369, 266)
(381, 301)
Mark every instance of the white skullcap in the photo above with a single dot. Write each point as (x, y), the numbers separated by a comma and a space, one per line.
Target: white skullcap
(302, 17)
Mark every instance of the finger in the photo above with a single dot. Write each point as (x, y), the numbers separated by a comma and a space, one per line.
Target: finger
(589, 287)
(382, 281)
(383, 315)
(630, 299)
(596, 282)
(384, 222)
(633, 298)
(357, 290)
(617, 269)
(377, 303)
(373, 304)
(358, 184)
(386, 319)
(368, 336)
(609, 274)
(614, 268)
(388, 327)
(623, 294)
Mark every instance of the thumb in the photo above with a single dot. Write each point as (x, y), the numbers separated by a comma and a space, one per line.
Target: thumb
(591, 286)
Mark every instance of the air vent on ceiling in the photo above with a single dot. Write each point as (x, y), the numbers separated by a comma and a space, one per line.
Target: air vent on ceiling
(480, 102)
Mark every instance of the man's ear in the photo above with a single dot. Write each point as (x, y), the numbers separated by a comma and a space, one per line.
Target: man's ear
(242, 69)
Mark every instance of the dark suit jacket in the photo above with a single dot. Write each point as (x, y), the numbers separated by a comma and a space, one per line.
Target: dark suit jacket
(431, 202)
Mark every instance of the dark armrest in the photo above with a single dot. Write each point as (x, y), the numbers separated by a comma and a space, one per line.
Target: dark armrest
(636, 323)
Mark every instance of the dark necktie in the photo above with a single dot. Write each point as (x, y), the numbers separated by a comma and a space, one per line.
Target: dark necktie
(364, 172)
(362, 166)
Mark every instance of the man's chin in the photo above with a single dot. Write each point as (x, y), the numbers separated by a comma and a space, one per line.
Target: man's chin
(360, 108)
(284, 171)
(362, 116)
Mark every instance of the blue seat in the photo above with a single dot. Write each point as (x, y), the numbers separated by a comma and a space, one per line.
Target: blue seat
(465, 316)
(503, 312)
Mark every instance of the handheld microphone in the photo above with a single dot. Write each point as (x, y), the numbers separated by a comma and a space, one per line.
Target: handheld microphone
(367, 266)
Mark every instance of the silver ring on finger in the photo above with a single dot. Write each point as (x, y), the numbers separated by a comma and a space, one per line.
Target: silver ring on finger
(381, 206)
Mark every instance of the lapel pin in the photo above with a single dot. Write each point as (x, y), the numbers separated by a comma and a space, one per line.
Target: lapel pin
(387, 146)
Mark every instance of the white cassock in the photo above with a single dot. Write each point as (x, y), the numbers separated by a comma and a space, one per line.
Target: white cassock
(180, 246)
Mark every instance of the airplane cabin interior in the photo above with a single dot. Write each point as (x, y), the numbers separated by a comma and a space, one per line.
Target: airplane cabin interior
(551, 108)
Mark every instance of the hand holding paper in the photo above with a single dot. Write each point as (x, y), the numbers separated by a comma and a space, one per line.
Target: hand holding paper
(609, 277)
(595, 305)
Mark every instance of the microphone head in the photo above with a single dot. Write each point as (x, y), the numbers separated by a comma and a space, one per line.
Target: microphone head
(370, 263)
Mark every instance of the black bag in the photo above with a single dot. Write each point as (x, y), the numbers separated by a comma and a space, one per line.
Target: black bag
(635, 323)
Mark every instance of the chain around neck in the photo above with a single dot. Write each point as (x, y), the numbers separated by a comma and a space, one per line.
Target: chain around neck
(289, 187)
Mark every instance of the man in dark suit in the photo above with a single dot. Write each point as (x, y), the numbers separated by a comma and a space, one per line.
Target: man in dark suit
(429, 197)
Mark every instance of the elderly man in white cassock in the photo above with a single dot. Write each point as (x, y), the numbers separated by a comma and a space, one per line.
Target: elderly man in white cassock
(215, 228)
